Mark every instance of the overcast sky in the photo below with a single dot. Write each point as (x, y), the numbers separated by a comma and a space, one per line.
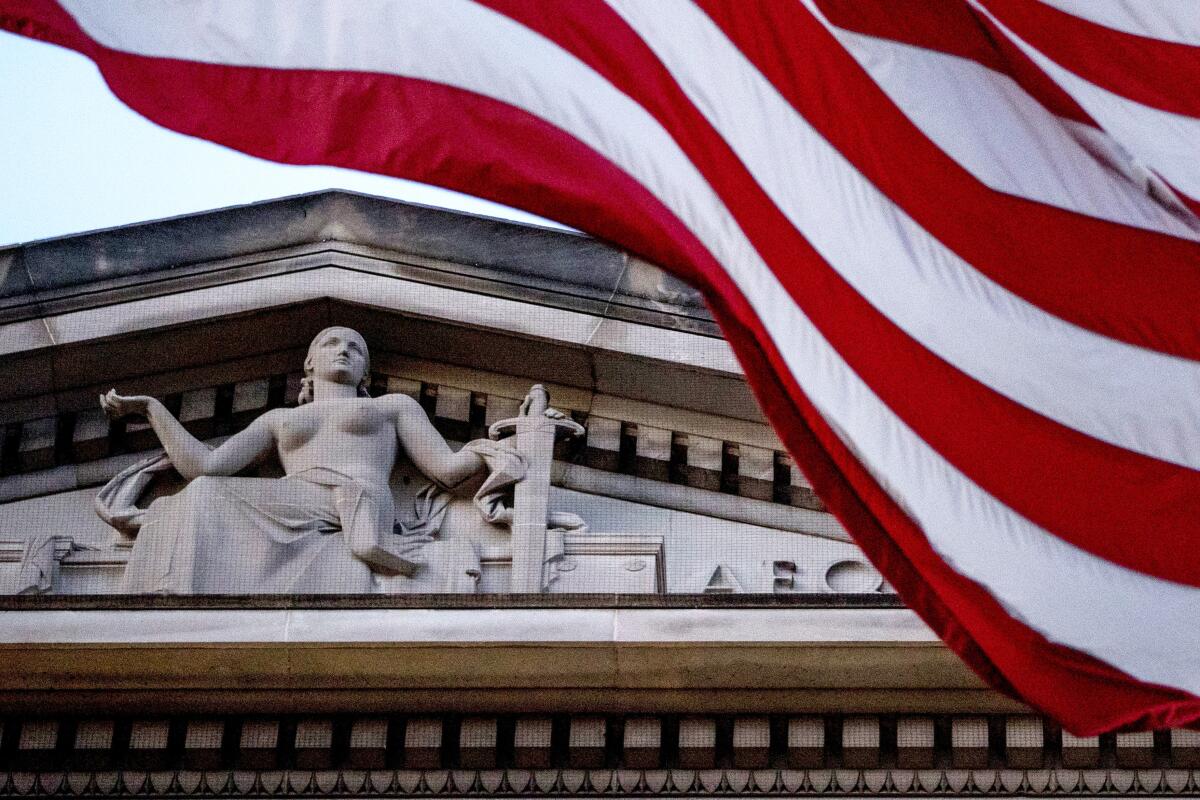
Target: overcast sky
(73, 158)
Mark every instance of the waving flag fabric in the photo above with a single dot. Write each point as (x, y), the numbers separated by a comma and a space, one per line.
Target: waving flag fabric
(953, 242)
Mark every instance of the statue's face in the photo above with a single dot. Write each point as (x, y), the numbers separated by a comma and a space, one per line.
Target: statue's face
(339, 355)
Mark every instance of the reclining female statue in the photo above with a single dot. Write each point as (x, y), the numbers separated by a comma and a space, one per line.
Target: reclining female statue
(327, 526)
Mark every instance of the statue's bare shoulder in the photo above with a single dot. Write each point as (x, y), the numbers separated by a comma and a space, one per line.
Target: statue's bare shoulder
(271, 420)
(401, 405)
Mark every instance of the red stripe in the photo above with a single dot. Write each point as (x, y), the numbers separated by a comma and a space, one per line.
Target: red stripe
(46, 21)
(470, 135)
(1131, 284)
(950, 26)
(1066, 482)
(1153, 72)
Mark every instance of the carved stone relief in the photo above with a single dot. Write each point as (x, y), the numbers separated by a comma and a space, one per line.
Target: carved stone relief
(350, 494)
(330, 524)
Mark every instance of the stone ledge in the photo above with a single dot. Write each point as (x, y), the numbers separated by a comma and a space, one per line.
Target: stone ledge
(602, 782)
(778, 626)
(604, 659)
(326, 699)
(788, 741)
(42, 271)
(104, 602)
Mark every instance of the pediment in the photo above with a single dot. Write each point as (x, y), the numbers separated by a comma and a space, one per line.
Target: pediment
(676, 475)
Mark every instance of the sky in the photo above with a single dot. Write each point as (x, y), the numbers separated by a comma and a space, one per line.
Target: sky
(73, 158)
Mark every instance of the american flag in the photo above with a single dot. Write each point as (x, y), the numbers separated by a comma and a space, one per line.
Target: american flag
(953, 242)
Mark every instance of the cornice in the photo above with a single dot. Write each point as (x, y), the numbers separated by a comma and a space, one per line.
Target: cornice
(78, 271)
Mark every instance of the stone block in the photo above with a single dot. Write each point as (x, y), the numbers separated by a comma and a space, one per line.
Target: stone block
(914, 743)
(697, 743)
(36, 747)
(860, 742)
(969, 742)
(148, 742)
(643, 743)
(202, 744)
(258, 744)
(500, 408)
(751, 742)
(314, 744)
(1135, 750)
(603, 442)
(531, 743)
(198, 404)
(407, 386)
(756, 462)
(477, 743)
(197, 411)
(89, 440)
(423, 743)
(93, 745)
(586, 742)
(1024, 742)
(251, 395)
(1185, 749)
(36, 448)
(806, 743)
(1080, 752)
(704, 453)
(368, 744)
(653, 443)
(756, 472)
(453, 403)
(653, 453)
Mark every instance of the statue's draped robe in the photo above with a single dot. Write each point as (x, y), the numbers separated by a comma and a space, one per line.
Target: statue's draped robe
(233, 535)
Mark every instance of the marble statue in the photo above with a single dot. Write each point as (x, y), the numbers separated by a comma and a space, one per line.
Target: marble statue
(328, 525)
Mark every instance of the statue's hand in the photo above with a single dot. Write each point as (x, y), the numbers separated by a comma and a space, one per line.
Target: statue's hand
(117, 406)
(554, 413)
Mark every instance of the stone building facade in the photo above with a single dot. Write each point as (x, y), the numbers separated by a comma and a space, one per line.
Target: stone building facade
(653, 601)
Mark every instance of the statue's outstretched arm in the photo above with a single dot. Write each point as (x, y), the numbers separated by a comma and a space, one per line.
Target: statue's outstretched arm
(191, 457)
(428, 450)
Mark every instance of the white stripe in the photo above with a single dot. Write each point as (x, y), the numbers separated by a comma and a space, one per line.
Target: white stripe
(1175, 21)
(987, 123)
(1167, 142)
(1129, 396)
(1140, 624)
(1111, 154)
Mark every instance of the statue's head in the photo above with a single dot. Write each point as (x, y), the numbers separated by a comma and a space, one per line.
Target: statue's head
(338, 355)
